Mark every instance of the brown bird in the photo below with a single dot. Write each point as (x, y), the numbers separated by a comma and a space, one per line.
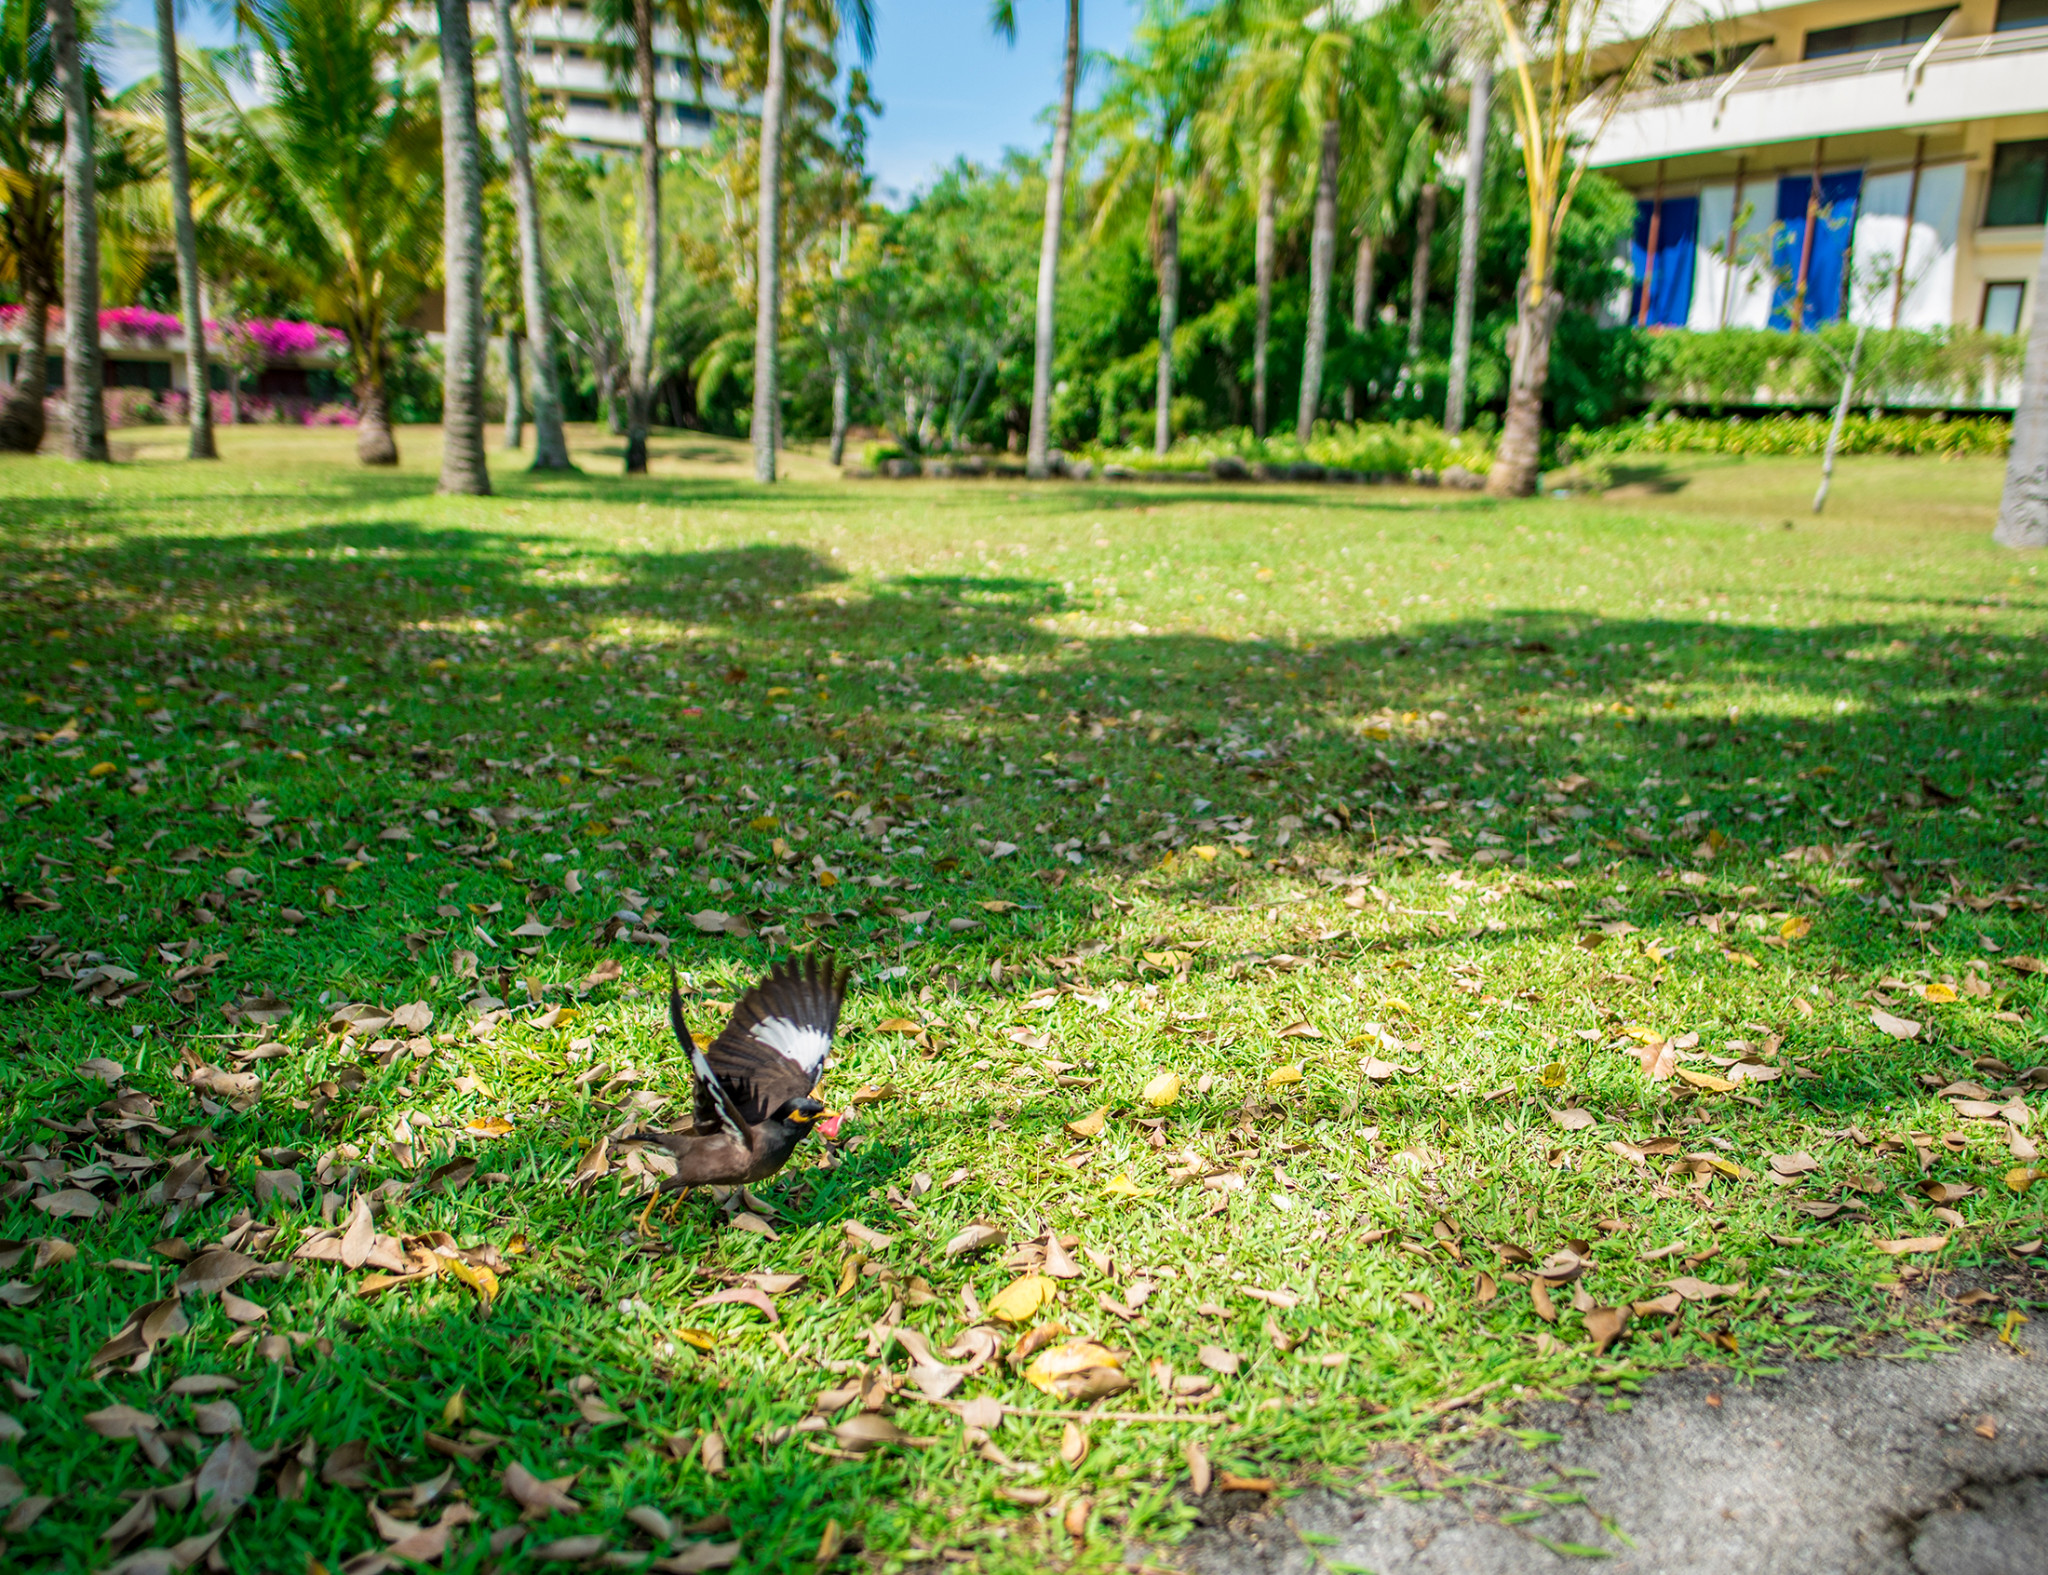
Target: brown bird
(754, 1081)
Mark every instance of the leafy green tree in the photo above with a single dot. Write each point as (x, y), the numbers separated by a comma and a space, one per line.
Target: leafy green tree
(333, 180)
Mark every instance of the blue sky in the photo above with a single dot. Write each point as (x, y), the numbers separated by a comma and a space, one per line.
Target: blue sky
(947, 85)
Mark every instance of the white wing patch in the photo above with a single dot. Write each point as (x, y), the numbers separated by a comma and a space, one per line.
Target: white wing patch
(805, 1046)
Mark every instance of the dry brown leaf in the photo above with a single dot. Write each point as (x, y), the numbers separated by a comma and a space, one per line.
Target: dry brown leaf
(538, 1498)
(974, 1238)
(1218, 1360)
(1897, 1027)
(360, 1235)
(1605, 1325)
(1198, 1467)
(1910, 1244)
(1698, 1290)
(1090, 1125)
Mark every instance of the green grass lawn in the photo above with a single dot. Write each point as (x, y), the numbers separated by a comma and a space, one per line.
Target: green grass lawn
(1514, 892)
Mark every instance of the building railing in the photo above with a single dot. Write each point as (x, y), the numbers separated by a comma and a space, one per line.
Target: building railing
(1905, 59)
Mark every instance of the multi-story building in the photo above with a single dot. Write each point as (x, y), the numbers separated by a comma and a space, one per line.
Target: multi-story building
(564, 55)
(1841, 159)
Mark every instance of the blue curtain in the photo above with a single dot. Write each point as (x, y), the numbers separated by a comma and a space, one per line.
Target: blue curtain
(1827, 270)
(1678, 231)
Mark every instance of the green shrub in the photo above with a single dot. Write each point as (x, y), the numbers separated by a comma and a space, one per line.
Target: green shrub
(875, 455)
(1903, 366)
(1369, 446)
(1792, 434)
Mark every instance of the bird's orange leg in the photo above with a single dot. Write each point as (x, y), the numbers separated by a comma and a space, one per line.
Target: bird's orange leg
(646, 1232)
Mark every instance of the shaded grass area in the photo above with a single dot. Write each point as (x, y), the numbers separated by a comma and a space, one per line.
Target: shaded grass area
(1396, 825)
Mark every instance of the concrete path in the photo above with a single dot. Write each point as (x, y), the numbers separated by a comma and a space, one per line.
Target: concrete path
(1875, 1466)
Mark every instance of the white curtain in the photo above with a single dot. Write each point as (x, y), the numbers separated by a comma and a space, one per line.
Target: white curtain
(1733, 289)
(1930, 256)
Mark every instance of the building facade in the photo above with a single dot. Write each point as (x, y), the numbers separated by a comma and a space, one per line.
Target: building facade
(574, 88)
(1841, 160)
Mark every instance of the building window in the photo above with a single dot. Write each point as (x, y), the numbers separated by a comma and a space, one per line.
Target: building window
(583, 101)
(2019, 184)
(2002, 304)
(694, 114)
(2016, 14)
(1889, 32)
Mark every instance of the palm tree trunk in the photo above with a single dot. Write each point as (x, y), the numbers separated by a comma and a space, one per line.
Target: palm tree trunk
(842, 363)
(2023, 510)
(1517, 462)
(198, 408)
(462, 253)
(1322, 264)
(550, 447)
(768, 251)
(1361, 306)
(1262, 270)
(1477, 123)
(515, 394)
(1418, 281)
(375, 443)
(21, 417)
(87, 438)
(1169, 312)
(640, 353)
(1038, 447)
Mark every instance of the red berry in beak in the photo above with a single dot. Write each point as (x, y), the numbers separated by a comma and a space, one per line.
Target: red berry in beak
(828, 1126)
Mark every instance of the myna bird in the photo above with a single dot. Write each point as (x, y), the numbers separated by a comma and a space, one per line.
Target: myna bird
(754, 1081)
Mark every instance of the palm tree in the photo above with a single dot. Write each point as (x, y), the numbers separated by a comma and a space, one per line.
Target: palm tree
(1259, 124)
(177, 169)
(1478, 121)
(462, 262)
(31, 186)
(1557, 52)
(1332, 64)
(1145, 115)
(87, 434)
(1038, 447)
(333, 183)
(859, 17)
(2023, 510)
(550, 446)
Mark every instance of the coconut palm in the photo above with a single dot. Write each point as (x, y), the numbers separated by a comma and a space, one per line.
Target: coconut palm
(1478, 122)
(1334, 61)
(858, 17)
(86, 434)
(1147, 112)
(1038, 446)
(2023, 510)
(31, 191)
(1259, 122)
(462, 262)
(550, 446)
(1558, 56)
(178, 176)
(332, 183)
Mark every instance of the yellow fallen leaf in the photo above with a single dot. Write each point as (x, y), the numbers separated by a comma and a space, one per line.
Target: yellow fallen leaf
(827, 878)
(1796, 928)
(1091, 1124)
(488, 1127)
(762, 823)
(1121, 1186)
(104, 768)
(1162, 1091)
(1717, 1085)
(2013, 1319)
(1553, 1075)
(1059, 1369)
(1020, 1300)
(899, 1025)
(699, 1339)
(1941, 993)
(1284, 1075)
(2020, 1177)
(1206, 854)
(474, 1275)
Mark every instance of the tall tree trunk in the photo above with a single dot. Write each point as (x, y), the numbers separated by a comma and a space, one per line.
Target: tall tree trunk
(1518, 461)
(462, 259)
(842, 363)
(87, 438)
(21, 417)
(1262, 272)
(1478, 121)
(1418, 281)
(550, 446)
(375, 442)
(1361, 306)
(1169, 314)
(515, 394)
(640, 352)
(198, 408)
(1038, 446)
(1322, 265)
(2023, 510)
(768, 253)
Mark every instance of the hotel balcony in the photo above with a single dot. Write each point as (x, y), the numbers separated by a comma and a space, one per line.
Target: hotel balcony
(1943, 80)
